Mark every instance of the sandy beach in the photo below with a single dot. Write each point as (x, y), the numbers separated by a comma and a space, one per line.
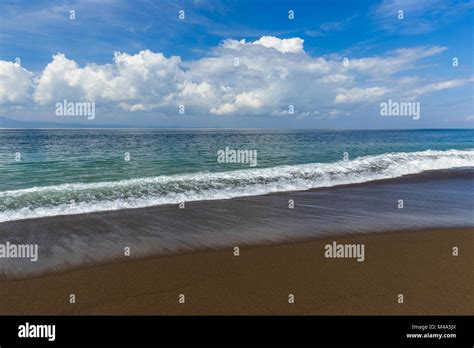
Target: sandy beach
(417, 264)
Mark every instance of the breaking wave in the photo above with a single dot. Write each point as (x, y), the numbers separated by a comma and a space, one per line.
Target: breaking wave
(77, 198)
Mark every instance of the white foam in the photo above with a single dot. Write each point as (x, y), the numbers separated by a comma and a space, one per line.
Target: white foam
(144, 192)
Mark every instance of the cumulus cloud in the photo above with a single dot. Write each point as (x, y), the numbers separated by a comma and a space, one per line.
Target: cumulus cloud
(263, 77)
(15, 83)
(247, 100)
(293, 45)
(142, 78)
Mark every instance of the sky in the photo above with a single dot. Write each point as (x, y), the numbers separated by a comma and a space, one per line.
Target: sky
(239, 64)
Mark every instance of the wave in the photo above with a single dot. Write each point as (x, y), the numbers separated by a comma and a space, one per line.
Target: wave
(78, 198)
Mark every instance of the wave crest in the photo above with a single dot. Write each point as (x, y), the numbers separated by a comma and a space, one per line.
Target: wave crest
(77, 198)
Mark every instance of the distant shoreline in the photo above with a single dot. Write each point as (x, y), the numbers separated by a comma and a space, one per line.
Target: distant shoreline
(78, 127)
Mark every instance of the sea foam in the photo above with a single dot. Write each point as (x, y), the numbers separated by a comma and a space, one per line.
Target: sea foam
(78, 198)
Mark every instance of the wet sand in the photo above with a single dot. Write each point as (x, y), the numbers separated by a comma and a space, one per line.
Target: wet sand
(432, 199)
(417, 264)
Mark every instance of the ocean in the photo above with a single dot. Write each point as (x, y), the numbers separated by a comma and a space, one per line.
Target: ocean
(63, 172)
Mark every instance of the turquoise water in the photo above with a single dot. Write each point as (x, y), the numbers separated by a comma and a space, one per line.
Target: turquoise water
(76, 171)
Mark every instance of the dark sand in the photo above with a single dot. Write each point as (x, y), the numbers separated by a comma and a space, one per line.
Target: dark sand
(282, 252)
(417, 264)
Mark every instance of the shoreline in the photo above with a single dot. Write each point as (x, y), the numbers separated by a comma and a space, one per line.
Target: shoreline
(419, 264)
(427, 175)
(437, 199)
(282, 252)
(120, 260)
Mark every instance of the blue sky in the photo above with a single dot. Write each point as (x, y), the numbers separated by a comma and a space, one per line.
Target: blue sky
(139, 62)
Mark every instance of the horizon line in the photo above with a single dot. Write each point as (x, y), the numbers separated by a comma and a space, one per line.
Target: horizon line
(233, 128)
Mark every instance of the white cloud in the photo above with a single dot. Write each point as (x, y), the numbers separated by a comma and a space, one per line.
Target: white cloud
(144, 77)
(15, 83)
(233, 44)
(248, 100)
(355, 95)
(271, 74)
(439, 86)
(396, 61)
(293, 45)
